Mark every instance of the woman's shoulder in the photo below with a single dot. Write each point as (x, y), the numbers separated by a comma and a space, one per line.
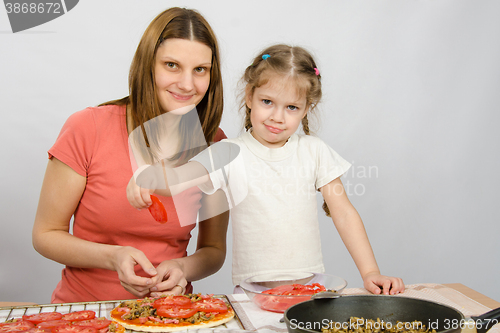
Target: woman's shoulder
(94, 115)
(98, 111)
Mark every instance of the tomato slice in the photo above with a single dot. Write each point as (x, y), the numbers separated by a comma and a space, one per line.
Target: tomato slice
(97, 323)
(38, 330)
(73, 329)
(296, 289)
(158, 210)
(52, 323)
(79, 315)
(175, 312)
(177, 300)
(211, 305)
(45, 316)
(16, 326)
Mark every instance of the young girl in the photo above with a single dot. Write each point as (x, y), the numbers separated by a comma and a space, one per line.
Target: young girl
(270, 176)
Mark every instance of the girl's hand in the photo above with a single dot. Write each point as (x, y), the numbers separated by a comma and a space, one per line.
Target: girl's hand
(381, 284)
(170, 279)
(137, 196)
(126, 258)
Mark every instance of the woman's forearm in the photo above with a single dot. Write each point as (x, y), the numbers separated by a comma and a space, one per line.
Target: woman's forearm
(66, 249)
(211, 247)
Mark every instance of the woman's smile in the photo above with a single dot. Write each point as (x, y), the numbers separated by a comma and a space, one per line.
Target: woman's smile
(181, 97)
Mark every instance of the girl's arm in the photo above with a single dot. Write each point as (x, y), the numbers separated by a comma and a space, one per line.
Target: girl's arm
(164, 180)
(210, 252)
(353, 234)
(60, 195)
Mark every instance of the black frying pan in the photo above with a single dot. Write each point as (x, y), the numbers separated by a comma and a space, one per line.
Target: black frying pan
(312, 315)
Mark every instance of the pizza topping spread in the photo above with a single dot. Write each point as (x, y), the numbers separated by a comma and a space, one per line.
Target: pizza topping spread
(172, 312)
(192, 308)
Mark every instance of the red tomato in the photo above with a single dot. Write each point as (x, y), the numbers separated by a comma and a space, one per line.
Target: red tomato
(211, 305)
(96, 323)
(38, 330)
(20, 325)
(79, 315)
(175, 312)
(45, 316)
(179, 301)
(73, 329)
(158, 210)
(52, 323)
(296, 289)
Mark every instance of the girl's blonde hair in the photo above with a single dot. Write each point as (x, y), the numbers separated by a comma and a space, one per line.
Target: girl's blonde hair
(292, 62)
(143, 101)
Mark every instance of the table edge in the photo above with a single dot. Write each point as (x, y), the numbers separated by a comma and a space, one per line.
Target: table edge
(475, 295)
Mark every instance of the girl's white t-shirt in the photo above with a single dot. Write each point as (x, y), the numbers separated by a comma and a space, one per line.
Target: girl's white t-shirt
(272, 195)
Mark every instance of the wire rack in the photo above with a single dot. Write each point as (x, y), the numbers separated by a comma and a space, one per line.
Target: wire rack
(102, 309)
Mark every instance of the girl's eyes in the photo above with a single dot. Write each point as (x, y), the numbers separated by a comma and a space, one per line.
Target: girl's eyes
(289, 107)
(200, 69)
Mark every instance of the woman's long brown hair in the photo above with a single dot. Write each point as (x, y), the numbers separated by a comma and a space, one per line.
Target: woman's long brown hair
(143, 101)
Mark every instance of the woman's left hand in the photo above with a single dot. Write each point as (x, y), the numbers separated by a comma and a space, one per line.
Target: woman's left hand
(381, 284)
(170, 279)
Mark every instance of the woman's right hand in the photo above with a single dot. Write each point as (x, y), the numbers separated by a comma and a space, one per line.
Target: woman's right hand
(126, 258)
(137, 196)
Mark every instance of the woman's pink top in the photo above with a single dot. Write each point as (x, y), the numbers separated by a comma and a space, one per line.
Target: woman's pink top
(94, 143)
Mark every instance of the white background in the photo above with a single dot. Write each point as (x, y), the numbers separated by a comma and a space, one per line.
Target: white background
(411, 98)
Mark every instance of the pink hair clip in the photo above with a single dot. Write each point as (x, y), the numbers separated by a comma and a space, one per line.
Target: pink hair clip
(316, 71)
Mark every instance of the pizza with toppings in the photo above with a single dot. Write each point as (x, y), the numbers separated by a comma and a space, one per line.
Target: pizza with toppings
(172, 313)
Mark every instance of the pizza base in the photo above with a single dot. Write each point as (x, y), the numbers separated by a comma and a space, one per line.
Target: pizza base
(219, 320)
(119, 328)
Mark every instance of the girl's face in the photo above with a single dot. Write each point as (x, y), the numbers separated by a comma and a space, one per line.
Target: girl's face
(277, 110)
(182, 73)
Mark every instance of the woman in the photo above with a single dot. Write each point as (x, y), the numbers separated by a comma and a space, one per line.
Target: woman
(176, 64)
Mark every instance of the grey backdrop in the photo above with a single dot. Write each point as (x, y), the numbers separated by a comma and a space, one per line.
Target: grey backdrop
(411, 98)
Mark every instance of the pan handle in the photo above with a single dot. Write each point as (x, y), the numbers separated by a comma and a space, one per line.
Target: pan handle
(486, 321)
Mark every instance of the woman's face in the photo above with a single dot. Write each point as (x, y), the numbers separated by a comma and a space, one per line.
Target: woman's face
(182, 73)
